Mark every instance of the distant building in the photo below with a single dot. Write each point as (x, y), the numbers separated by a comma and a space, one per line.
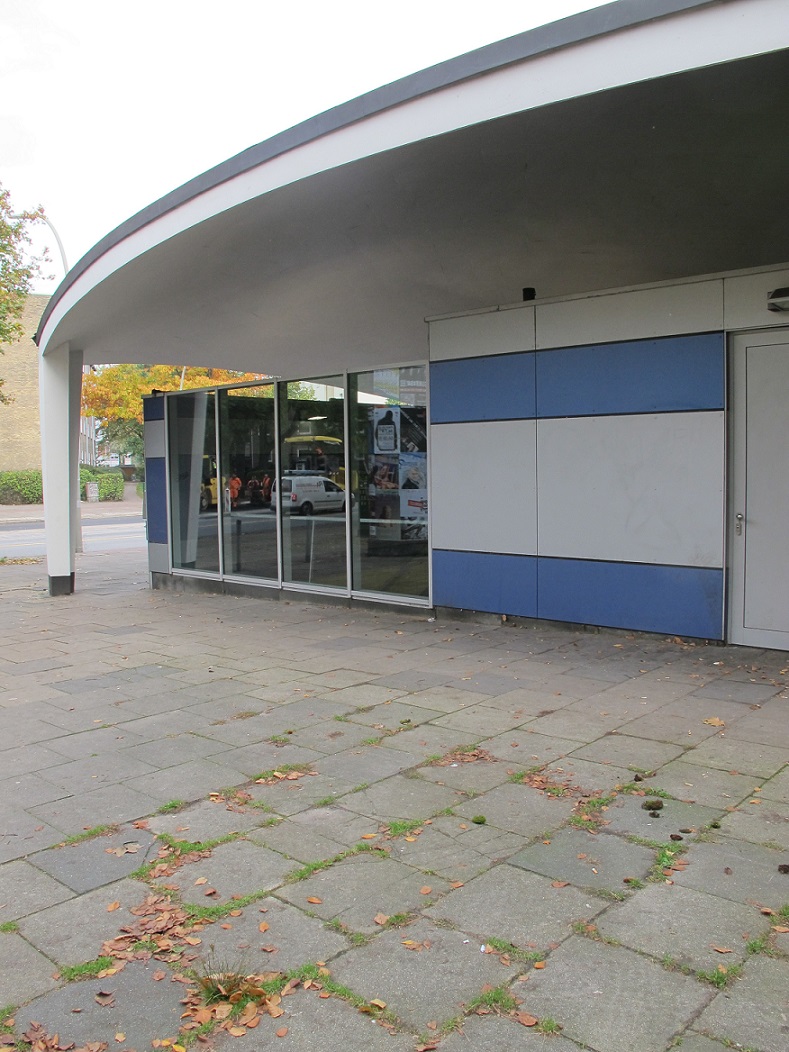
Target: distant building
(20, 427)
(20, 423)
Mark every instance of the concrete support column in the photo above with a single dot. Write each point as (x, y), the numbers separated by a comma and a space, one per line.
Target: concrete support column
(60, 380)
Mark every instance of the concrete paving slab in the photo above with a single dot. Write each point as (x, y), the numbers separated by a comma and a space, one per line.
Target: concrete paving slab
(765, 726)
(330, 1025)
(587, 860)
(777, 788)
(296, 842)
(73, 1013)
(23, 833)
(207, 820)
(336, 823)
(760, 821)
(25, 890)
(422, 985)
(445, 699)
(234, 869)
(742, 872)
(625, 751)
(528, 747)
(366, 764)
(291, 939)
(109, 805)
(332, 736)
(24, 972)
(704, 785)
(355, 890)
(493, 1033)
(427, 740)
(435, 851)
(402, 797)
(482, 721)
(566, 724)
(589, 776)
(625, 814)
(92, 863)
(33, 789)
(474, 777)
(754, 1011)
(692, 1042)
(83, 776)
(186, 781)
(72, 932)
(750, 758)
(517, 906)
(518, 809)
(611, 999)
(677, 924)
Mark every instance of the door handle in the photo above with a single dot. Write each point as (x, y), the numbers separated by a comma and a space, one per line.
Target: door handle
(740, 519)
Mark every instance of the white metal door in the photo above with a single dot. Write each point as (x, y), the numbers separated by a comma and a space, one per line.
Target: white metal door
(759, 505)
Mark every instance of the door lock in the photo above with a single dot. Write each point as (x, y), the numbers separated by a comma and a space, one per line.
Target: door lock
(739, 521)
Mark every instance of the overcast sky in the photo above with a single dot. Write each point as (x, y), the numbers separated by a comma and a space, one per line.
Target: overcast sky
(106, 105)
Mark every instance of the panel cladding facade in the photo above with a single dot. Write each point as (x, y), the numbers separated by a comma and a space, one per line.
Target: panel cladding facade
(595, 483)
(155, 481)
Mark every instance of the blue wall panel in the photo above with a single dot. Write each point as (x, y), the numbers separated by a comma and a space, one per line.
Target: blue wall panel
(499, 387)
(153, 408)
(645, 376)
(156, 499)
(482, 581)
(673, 599)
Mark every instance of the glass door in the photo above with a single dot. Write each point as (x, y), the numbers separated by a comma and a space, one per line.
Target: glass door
(310, 489)
(389, 467)
(194, 482)
(248, 453)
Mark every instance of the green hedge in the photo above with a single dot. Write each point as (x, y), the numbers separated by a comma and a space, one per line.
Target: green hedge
(110, 483)
(24, 487)
(21, 487)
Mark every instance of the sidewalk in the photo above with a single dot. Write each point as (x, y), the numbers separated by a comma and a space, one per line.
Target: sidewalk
(105, 509)
(449, 835)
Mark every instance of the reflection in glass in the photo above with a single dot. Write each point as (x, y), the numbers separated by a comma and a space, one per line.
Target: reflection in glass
(389, 481)
(248, 448)
(311, 487)
(193, 481)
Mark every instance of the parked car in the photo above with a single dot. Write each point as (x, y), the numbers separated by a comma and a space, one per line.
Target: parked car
(306, 494)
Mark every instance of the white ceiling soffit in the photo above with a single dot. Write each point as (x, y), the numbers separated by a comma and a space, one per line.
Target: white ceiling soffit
(634, 142)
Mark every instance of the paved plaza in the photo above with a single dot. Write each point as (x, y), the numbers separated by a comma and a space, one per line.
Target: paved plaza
(230, 822)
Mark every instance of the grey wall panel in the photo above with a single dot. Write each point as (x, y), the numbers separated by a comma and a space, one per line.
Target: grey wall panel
(646, 488)
(483, 479)
(159, 558)
(494, 332)
(636, 315)
(746, 300)
(154, 438)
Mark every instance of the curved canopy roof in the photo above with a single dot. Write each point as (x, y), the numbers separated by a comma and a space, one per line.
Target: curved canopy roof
(641, 141)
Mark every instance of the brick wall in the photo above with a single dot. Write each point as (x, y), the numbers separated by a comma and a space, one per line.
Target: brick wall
(20, 433)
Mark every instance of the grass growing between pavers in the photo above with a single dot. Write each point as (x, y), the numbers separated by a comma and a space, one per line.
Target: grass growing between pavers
(175, 853)
(9, 928)
(96, 969)
(88, 834)
(307, 870)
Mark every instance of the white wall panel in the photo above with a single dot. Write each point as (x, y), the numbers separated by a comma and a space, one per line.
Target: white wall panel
(483, 486)
(646, 488)
(494, 332)
(639, 314)
(746, 300)
(154, 438)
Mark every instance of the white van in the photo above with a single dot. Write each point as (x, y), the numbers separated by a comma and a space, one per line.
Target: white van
(307, 494)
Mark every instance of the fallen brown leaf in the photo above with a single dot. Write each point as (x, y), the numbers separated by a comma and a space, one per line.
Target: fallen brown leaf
(525, 1019)
(282, 1032)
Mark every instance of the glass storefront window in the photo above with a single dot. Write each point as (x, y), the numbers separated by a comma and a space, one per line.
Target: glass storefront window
(248, 452)
(258, 484)
(389, 536)
(310, 488)
(194, 485)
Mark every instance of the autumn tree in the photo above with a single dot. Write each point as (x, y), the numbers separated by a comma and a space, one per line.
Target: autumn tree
(18, 269)
(113, 394)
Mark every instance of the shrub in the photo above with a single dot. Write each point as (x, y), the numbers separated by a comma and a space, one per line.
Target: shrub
(110, 482)
(21, 487)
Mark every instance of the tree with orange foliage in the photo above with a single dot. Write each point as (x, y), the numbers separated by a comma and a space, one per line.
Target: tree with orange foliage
(113, 395)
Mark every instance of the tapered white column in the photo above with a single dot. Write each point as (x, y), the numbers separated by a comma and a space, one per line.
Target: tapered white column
(60, 382)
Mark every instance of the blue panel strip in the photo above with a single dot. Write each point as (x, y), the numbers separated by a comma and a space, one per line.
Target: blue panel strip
(156, 500)
(153, 408)
(482, 581)
(675, 374)
(680, 600)
(499, 387)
